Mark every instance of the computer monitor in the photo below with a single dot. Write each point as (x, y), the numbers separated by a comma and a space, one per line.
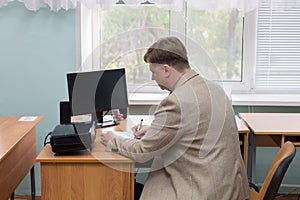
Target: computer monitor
(95, 92)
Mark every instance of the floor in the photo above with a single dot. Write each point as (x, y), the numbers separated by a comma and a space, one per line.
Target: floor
(288, 197)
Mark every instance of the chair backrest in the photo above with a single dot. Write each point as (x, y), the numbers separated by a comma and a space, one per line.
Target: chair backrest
(277, 170)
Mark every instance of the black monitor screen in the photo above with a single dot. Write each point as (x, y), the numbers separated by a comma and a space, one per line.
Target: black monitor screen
(97, 91)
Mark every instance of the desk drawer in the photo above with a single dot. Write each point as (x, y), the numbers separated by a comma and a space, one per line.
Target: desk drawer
(92, 181)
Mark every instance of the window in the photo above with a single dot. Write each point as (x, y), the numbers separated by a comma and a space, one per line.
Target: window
(125, 34)
(122, 34)
(219, 32)
(278, 49)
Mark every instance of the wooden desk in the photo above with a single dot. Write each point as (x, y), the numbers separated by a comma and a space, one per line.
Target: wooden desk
(89, 175)
(17, 153)
(269, 129)
(97, 174)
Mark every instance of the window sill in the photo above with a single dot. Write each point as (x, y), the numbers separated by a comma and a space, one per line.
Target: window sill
(266, 99)
(146, 98)
(237, 99)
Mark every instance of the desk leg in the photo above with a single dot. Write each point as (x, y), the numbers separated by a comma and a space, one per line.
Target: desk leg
(12, 196)
(32, 177)
(245, 148)
(251, 157)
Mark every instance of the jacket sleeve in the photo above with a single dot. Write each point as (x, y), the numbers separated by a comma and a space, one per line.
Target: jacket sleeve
(161, 135)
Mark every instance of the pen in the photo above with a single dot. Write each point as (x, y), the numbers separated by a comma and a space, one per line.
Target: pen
(140, 125)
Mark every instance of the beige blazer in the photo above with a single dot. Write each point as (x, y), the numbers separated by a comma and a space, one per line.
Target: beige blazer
(194, 142)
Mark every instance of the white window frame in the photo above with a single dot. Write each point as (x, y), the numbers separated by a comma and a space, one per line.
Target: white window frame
(249, 54)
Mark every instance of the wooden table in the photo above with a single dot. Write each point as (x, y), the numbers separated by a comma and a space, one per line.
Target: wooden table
(89, 175)
(97, 174)
(269, 129)
(17, 153)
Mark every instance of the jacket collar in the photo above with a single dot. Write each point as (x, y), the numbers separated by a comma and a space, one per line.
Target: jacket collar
(187, 76)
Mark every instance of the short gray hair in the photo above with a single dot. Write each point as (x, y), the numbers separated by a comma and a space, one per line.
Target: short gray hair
(168, 50)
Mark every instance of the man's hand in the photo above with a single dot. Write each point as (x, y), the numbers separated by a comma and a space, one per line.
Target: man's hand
(106, 136)
(138, 134)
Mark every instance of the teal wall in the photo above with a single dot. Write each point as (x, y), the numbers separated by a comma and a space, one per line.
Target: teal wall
(36, 51)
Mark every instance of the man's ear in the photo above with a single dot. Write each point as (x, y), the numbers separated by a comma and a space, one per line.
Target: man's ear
(167, 70)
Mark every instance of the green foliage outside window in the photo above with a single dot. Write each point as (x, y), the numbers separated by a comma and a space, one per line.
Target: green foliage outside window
(126, 32)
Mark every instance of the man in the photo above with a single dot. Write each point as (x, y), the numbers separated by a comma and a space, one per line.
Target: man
(193, 138)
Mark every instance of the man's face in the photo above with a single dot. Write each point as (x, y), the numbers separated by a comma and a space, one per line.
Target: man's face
(158, 75)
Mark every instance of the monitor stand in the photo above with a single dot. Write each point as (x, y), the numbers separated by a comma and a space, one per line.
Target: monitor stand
(105, 121)
(106, 124)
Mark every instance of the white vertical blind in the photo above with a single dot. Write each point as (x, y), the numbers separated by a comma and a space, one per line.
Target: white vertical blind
(278, 48)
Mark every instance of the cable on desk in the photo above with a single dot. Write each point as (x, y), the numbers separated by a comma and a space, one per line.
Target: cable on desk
(46, 138)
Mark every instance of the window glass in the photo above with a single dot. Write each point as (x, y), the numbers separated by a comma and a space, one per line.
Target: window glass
(125, 34)
(217, 36)
(213, 40)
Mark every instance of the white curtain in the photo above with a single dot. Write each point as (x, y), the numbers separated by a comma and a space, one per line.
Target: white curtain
(56, 5)
(177, 5)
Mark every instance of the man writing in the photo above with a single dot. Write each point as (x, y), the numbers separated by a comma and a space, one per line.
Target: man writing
(193, 138)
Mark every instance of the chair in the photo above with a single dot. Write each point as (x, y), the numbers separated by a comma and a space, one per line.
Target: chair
(276, 173)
